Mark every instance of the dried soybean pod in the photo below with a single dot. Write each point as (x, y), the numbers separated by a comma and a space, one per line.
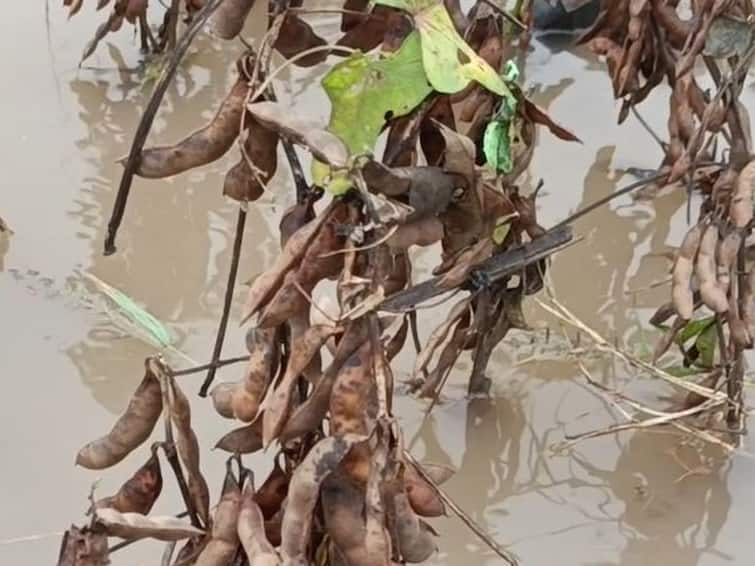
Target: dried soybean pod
(221, 396)
(242, 183)
(343, 510)
(224, 540)
(738, 330)
(186, 442)
(135, 526)
(251, 532)
(711, 294)
(740, 209)
(748, 312)
(272, 492)
(681, 275)
(302, 352)
(204, 146)
(131, 429)
(303, 494)
(422, 496)
(415, 541)
(296, 36)
(352, 390)
(727, 258)
(309, 414)
(140, 491)
(246, 399)
(228, 20)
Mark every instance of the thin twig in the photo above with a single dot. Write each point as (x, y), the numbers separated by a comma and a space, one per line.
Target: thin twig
(210, 365)
(461, 514)
(148, 117)
(227, 302)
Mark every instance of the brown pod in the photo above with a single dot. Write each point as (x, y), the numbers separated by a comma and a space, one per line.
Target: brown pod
(251, 532)
(726, 258)
(740, 209)
(272, 492)
(140, 491)
(296, 36)
(423, 497)
(83, 547)
(343, 511)
(711, 293)
(247, 397)
(228, 20)
(204, 146)
(304, 492)
(221, 396)
(242, 183)
(224, 540)
(414, 539)
(131, 429)
(302, 353)
(352, 390)
(748, 311)
(681, 290)
(135, 9)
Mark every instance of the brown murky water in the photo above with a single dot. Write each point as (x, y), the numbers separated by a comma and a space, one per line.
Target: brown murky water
(67, 369)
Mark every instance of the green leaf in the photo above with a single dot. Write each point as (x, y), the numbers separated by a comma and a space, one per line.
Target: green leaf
(157, 332)
(364, 91)
(496, 144)
(693, 328)
(728, 36)
(706, 345)
(449, 62)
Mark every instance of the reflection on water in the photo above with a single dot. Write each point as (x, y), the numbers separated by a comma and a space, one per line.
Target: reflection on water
(628, 500)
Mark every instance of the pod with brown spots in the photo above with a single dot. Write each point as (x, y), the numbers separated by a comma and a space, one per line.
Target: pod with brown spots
(140, 491)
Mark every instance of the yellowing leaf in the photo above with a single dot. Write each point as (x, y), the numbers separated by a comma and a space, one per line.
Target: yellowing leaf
(450, 63)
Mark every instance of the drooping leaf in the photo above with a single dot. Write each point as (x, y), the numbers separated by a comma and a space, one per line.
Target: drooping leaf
(365, 91)
(450, 63)
(706, 344)
(728, 36)
(694, 328)
(324, 145)
(155, 330)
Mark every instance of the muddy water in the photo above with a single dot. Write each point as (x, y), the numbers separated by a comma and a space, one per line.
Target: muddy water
(632, 499)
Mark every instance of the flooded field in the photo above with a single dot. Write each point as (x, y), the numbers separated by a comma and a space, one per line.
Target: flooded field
(633, 499)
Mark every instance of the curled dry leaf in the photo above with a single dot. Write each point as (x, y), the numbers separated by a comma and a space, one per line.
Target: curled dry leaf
(140, 491)
(134, 526)
(263, 361)
(83, 547)
(269, 282)
(244, 440)
(302, 353)
(251, 532)
(304, 491)
(224, 539)
(681, 289)
(204, 146)
(228, 20)
(131, 429)
(322, 144)
(705, 268)
(439, 335)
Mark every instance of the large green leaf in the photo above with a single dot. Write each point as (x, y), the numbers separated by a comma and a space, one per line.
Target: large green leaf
(449, 62)
(364, 91)
(706, 344)
(693, 328)
(496, 143)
